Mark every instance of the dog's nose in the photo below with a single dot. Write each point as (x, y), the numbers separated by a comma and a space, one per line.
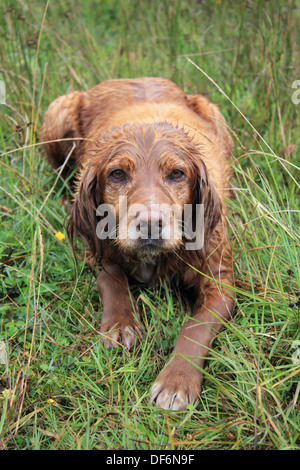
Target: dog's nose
(150, 223)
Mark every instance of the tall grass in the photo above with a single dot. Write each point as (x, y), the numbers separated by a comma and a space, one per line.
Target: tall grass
(59, 389)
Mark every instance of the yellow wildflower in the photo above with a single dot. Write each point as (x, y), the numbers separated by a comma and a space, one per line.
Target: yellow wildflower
(60, 236)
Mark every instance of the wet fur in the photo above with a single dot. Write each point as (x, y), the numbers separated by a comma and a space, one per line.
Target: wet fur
(144, 124)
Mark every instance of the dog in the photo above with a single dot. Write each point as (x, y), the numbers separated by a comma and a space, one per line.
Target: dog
(142, 146)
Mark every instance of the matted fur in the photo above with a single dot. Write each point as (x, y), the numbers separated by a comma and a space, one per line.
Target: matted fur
(148, 128)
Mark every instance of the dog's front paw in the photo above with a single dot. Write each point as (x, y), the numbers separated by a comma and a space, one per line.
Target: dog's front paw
(177, 386)
(120, 332)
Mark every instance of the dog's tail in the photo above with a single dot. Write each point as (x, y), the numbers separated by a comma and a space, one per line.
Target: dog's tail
(60, 134)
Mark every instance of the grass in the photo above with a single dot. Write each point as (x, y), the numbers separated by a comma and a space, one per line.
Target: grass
(59, 389)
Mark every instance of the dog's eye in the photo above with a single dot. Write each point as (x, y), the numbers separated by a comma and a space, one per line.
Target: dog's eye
(176, 174)
(117, 175)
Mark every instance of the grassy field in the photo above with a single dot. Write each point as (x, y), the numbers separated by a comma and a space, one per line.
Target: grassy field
(59, 389)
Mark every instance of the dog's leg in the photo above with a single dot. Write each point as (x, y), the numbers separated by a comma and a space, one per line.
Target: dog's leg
(119, 325)
(180, 381)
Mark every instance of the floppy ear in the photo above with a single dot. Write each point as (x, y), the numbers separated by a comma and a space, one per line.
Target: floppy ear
(207, 195)
(82, 215)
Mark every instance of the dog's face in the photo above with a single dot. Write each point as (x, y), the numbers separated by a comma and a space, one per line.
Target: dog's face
(139, 192)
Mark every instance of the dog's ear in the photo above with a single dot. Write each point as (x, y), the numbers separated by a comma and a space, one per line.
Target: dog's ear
(206, 194)
(83, 216)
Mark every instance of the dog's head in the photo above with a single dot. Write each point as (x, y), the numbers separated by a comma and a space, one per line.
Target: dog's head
(146, 191)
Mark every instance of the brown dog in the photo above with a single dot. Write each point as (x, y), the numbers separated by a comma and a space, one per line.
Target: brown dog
(148, 154)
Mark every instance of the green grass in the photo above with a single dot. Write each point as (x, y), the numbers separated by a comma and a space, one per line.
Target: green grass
(59, 388)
